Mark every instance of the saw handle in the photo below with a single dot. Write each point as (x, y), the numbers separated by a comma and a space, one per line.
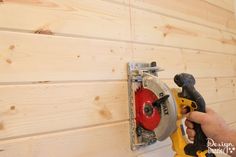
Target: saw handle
(187, 82)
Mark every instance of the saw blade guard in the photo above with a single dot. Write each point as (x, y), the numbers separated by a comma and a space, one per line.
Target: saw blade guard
(167, 123)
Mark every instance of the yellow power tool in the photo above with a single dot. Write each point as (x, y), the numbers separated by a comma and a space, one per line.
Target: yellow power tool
(155, 110)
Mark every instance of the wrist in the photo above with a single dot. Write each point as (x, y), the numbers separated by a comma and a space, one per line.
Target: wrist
(230, 139)
(224, 135)
(228, 136)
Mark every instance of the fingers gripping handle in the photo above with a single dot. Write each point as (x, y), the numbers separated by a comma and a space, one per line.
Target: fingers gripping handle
(187, 82)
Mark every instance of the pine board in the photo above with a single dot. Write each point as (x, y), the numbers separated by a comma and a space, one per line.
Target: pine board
(152, 28)
(108, 140)
(98, 138)
(226, 4)
(94, 18)
(32, 109)
(39, 58)
(65, 17)
(63, 69)
(199, 12)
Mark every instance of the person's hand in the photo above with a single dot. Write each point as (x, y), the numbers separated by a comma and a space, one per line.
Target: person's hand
(212, 125)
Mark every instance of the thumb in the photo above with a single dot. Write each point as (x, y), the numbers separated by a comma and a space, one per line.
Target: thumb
(197, 117)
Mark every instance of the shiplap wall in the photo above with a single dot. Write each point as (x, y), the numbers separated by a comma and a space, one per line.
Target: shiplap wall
(63, 78)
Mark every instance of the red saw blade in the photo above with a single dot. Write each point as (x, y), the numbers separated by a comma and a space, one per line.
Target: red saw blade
(146, 115)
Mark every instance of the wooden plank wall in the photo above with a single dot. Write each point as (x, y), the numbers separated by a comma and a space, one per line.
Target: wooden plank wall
(63, 83)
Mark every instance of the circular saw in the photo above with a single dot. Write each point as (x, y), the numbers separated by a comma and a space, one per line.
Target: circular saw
(155, 110)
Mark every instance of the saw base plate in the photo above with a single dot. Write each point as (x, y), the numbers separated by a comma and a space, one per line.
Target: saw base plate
(139, 136)
(151, 106)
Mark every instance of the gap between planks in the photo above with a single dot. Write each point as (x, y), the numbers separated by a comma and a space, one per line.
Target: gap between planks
(42, 82)
(105, 124)
(169, 41)
(68, 35)
(168, 15)
(218, 6)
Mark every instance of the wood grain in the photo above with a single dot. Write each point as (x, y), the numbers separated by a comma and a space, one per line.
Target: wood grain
(114, 19)
(108, 140)
(40, 58)
(63, 77)
(226, 4)
(198, 63)
(27, 57)
(157, 29)
(200, 12)
(225, 109)
(94, 18)
(32, 109)
(98, 138)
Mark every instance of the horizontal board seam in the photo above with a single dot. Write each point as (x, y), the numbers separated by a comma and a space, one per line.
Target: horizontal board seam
(65, 130)
(222, 101)
(86, 127)
(46, 82)
(109, 39)
(171, 16)
(218, 6)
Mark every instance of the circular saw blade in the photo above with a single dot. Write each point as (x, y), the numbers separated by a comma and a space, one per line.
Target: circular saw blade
(146, 114)
(167, 112)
